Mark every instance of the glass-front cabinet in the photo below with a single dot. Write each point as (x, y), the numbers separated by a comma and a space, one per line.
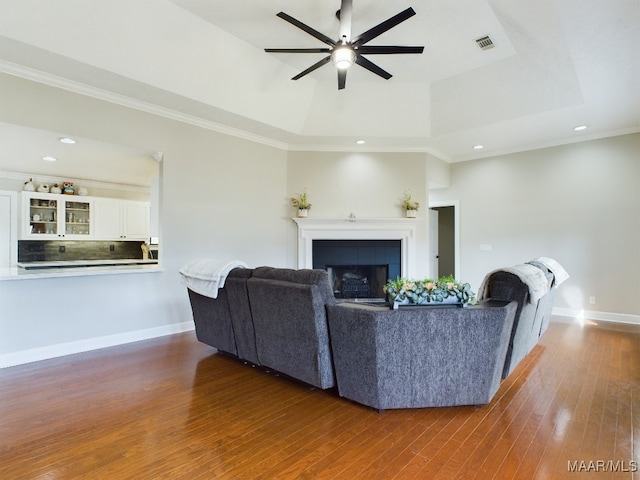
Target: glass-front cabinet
(51, 216)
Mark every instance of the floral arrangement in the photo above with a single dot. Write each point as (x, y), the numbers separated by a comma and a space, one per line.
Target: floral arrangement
(408, 203)
(420, 292)
(301, 202)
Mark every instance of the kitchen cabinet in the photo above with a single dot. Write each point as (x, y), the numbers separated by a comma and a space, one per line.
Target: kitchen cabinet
(49, 216)
(121, 219)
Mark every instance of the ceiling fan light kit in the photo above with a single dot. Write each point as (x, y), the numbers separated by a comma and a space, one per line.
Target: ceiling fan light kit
(343, 57)
(346, 51)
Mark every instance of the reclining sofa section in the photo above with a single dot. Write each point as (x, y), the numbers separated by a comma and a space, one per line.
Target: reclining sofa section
(290, 322)
(532, 315)
(420, 357)
(272, 317)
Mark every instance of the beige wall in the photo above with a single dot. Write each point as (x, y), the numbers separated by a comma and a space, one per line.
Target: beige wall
(369, 185)
(578, 203)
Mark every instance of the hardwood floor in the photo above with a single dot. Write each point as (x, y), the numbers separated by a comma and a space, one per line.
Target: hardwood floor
(167, 408)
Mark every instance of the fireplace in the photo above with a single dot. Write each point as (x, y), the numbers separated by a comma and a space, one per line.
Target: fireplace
(401, 231)
(358, 268)
(358, 281)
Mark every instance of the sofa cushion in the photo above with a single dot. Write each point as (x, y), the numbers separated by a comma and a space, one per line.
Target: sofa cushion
(289, 316)
(317, 277)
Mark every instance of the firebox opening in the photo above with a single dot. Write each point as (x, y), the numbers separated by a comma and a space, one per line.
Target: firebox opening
(358, 269)
(358, 281)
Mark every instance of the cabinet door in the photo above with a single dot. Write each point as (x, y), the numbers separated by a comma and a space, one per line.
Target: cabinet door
(135, 220)
(107, 224)
(76, 218)
(41, 216)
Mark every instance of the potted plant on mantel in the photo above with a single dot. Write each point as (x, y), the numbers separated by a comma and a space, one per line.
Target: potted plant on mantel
(301, 202)
(428, 292)
(410, 206)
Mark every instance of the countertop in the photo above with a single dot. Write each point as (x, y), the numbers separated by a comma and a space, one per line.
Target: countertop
(85, 263)
(78, 268)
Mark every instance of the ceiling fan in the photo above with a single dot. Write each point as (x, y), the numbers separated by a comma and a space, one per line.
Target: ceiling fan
(346, 51)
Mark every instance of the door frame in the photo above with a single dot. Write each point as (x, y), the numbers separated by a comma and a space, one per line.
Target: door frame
(13, 225)
(456, 225)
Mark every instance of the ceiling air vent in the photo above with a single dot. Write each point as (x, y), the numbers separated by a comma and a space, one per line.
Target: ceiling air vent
(485, 43)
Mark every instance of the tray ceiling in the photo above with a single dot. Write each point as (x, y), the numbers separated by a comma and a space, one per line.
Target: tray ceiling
(555, 65)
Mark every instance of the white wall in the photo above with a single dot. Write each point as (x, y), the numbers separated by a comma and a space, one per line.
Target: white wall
(578, 203)
(221, 197)
(369, 185)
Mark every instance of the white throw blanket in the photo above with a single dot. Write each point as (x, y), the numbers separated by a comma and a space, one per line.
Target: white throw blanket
(206, 276)
(530, 275)
(559, 273)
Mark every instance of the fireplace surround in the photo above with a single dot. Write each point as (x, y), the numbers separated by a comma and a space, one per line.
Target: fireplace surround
(401, 229)
(358, 268)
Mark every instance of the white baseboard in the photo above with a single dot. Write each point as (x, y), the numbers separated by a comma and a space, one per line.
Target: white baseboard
(593, 315)
(62, 349)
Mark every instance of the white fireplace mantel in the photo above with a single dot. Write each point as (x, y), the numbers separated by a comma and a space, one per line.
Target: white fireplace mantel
(403, 229)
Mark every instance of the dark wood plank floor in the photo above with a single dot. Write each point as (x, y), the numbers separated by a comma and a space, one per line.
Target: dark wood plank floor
(168, 408)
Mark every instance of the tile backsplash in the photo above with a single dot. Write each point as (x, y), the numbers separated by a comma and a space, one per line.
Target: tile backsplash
(60, 250)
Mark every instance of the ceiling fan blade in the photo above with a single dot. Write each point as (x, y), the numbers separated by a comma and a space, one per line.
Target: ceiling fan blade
(314, 33)
(372, 67)
(383, 27)
(346, 9)
(388, 49)
(313, 67)
(297, 50)
(342, 78)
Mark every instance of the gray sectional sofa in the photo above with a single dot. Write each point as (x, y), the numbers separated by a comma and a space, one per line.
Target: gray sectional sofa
(288, 321)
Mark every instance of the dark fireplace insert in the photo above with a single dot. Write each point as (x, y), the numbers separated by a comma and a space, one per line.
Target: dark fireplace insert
(358, 269)
(358, 281)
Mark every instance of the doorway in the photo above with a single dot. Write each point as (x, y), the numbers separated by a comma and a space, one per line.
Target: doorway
(445, 234)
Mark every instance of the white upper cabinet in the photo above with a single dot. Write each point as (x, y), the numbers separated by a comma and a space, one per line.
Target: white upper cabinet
(121, 219)
(49, 216)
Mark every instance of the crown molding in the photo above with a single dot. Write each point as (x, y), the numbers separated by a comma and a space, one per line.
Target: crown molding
(104, 95)
(121, 187)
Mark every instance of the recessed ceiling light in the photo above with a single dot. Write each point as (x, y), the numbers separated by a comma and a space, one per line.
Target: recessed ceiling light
(580, 127)
(478, 147)
(66, 140)
(360, 142)
(49, 158)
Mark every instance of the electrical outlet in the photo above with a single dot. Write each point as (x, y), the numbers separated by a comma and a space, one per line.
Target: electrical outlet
(112, 248)
(61, 249)
(592, 300)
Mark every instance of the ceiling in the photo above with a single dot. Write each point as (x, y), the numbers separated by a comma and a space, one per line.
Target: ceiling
(556, 64)
(22, 150)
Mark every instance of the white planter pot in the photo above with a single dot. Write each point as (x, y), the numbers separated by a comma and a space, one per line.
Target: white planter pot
(302, 212)
(412, 213)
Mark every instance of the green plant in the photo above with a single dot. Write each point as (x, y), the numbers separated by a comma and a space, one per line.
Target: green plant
(405, 290)
(301, 202)
(408, 203)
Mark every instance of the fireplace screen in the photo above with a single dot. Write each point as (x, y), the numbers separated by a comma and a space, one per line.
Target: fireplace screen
(358, 281)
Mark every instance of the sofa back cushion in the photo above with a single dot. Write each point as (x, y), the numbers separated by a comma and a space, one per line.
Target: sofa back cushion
(289, 317)
(317, 277)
